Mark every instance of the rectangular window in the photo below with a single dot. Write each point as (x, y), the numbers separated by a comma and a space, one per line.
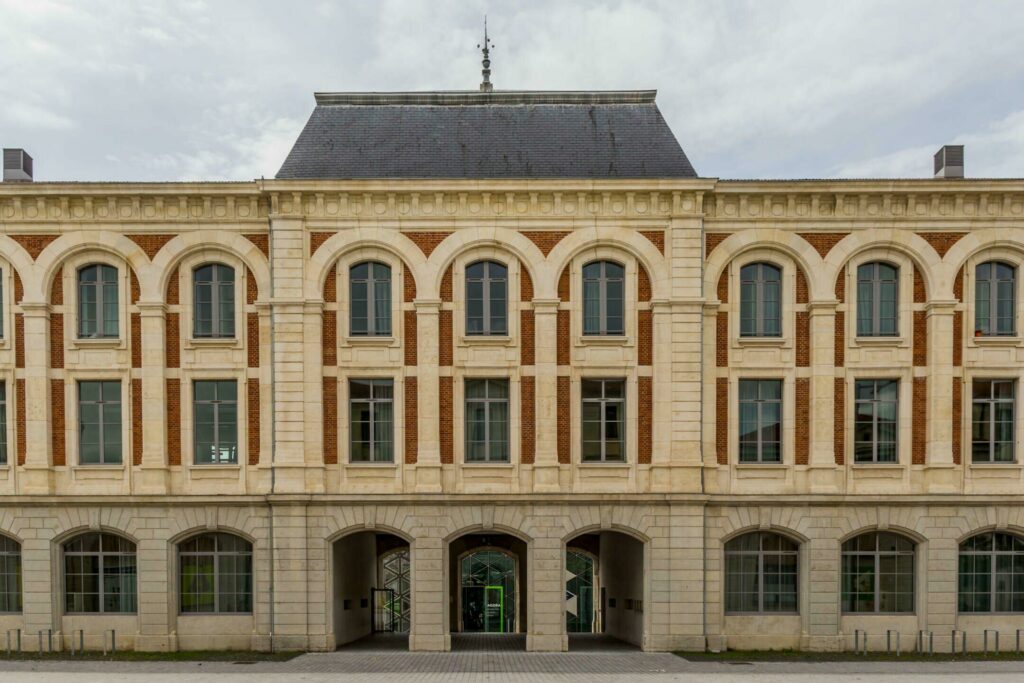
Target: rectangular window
(760, 420)
(1, 304)
(371, 420)
(487, 420)
(97, 302)
(214, 301)
(604, 420)
(875, 422)
(3, 423)
(215, 409)
(99, 422)
(992, 420)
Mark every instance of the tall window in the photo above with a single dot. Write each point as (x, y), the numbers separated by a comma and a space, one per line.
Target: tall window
(216, 574)
(371, 420)
(1, 304)
(10, 575)
(99, 575)
(995, 296)
(214, 303)
(761, 573)
(99, 422)
(370, 288)
(877, 300)
(878, 574)
(487, 420)
(760, 300)
(3, 423)
(216, 421)
(876, 420)
(486, 298)
(603, 291)
(992, 420)
(991, 575)
(604, 420)
(97, 302)
(760, 420)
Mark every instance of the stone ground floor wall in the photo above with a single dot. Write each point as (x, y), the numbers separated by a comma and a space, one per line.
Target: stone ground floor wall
(669, 570)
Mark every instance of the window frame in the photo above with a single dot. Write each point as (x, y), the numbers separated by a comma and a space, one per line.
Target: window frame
(994, 299)
(760, 553)
(371, 281)
(216, 403)
(602, 401)
(101, 402)
(99, 285)
(993, 572)
(11, 553)
(215, 285)
(487, 280)
(760, 284)
(876, 283)
(992, 402)
(602, 280)
(877, 556)
(216, 554)
(373, 403)
(100, 554)
(875, 402)
(759, 403)
(487, 401)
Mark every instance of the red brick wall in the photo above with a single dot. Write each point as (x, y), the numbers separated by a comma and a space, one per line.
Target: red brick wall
(841, 285)
(840, 342)
(545, 239)
(958, 285)
(645, 421)
(19, 340)
(173, 421)
(958, 338)
(135, 290)
(564, 419)
(525, 284)
(135, 322)
(151, 244)
(172, 289)
(823, 241)
(446, 421)
(261, 240)
(330, 399)
(172, 351)
(412, 427)
(563, 285)
(426, 241)
(252, 333)
(252, 290)
(643, 284)
(919, 421)
(722, 420)
(563, 349)
(329, 338)
(723, 286)
(920, 339)
(136, 421)
(712, 240)
(656, 237)
(408, 285)
(803, 339)
(445, 352)
(331, 285)
(958, 418)
(527, 403)
(411, 339)
(839, 420)
(57, 287)
(802, 295)
(34, 244)
(527, 339)
(942, 241)
(56, 340)
(317, 239)
(722, 339)
(645, 337)
(445, 292)
(920, 294)
(20, 420)
(803, 420)
(252, 386)
(57, 422)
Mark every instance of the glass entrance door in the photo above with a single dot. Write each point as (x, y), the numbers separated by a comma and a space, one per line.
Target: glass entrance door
(488, 589)
(579, 592)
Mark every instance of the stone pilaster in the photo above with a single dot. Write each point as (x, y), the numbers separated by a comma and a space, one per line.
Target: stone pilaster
(37, 476)
(153, 475)
(546, 467)
(943, 477)
(822, 458)
(428, 463)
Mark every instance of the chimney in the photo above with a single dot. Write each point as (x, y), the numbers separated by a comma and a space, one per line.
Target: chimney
(949, 162)
(17, 166)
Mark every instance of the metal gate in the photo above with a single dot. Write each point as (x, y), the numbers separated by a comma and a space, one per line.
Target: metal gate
(386, 608)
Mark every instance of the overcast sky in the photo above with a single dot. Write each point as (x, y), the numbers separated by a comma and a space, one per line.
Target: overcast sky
(218, 89)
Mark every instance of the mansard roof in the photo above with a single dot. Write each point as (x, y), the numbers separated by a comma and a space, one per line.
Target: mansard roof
(499, 134)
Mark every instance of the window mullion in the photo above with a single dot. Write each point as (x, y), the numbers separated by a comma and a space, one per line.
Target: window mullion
(876, 307)
(485, 291)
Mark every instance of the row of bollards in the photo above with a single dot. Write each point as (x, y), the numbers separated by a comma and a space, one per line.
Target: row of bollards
(926, 642)
(14, 644)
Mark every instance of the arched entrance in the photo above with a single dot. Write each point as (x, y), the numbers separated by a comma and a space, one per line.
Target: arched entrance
(487, 585)
(371, 590)
(604, 591)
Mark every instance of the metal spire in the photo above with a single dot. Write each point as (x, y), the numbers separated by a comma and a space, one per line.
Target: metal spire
(485, 85)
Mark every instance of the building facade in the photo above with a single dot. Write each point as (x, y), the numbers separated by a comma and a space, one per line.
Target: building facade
(553, 382)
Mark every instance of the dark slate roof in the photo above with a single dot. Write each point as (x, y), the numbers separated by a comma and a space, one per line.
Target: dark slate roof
(502, 134)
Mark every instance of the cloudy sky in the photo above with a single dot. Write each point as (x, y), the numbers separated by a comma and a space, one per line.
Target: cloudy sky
(219, 89)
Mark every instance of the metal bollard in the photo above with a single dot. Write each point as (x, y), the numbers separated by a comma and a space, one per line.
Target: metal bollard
(963, 634)
(18, 639)
(113, 641)
(1018, 641)
(860, 641)
(49, 640)
(985, 634)
(888, 642)
(81, 642)
(931, 641)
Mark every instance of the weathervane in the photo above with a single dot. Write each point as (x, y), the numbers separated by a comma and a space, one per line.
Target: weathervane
(486, 85)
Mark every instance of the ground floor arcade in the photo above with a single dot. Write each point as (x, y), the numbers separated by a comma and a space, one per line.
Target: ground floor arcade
(657, 573)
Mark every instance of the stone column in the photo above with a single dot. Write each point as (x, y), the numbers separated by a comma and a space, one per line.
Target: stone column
(822, 457)
(546, 599)
(428, 462)
(546, 468)
(942, 477)
(291, 608)
(155, 578)
(820, 619)
(152, 478)
(37, 475)
(429, 574)
(39, 602)
(677, 380)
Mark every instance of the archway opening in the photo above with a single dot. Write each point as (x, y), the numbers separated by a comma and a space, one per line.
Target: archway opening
(371, 591)
(604, 591)
(487, 590)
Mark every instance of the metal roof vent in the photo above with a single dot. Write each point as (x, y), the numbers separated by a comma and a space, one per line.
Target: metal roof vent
(17, 166)
(949, 162)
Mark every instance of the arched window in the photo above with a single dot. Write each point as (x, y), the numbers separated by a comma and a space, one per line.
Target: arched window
(100, 575)
(878, 574)
(214, 303)
(760, 300)
(603, 291)
(877, 300)
(97, 302)
(995, 296)
(215, 574)
(991, 577)
(10, 575)
(761, 573)
(370, 290)
(486, 298)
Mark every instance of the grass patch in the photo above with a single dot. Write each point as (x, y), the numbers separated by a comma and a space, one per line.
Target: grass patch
(132, 656)
(737, 656)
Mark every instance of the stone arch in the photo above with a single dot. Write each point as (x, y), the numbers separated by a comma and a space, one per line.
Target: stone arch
(177, 539)
(512, 242)
(494, 529)
(58, 251)
(1012, 529)
(915, 536)
(792, 245)
(20, 261)
(938, 284)
(341, 532)
(630, 241)
(166, 260)
(624, 529)
(974, 243)
(66, 535)
(784, 531)
(341, 243)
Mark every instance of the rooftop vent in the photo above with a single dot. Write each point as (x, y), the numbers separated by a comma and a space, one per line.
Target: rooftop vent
(949, 162)
(17, 166)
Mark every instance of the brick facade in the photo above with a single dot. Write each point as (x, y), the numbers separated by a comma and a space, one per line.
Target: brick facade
(722, 420)
(645, 422)
(527, 433)
(565, 412)
(411, 420)
(802, 391)
(330, 427)
(58, 455)
(446, 424)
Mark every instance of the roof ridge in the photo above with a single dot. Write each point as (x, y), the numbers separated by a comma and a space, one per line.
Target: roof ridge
(474, 97)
